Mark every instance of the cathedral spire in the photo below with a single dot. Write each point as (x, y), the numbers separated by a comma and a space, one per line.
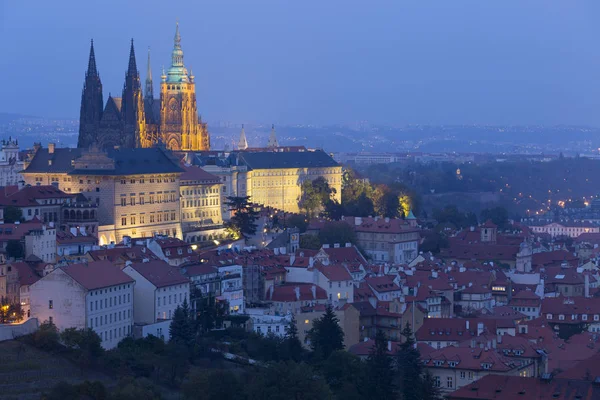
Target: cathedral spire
(92, 70)
(132, 68)
(272, 138)
(243, 143)
(149, 85)
(177, 55)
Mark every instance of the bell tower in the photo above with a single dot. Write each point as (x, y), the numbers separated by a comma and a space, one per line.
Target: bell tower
(91, 104)
(180, 126)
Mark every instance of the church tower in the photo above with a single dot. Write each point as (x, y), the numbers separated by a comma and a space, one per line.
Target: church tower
(91, 104)
(243, 143)
(272, 143)
(132, 106)
(180, 126)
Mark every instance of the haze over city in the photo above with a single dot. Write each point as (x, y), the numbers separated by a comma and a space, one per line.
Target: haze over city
(312, 62)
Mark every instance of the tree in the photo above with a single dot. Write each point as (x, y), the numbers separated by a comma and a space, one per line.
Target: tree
(344, 374)
(243, 221)
(433, 242)
(291, 348)
(213, 385)
(135, 389)
(333, 210)
(209, 312)
(13, 214)
(10, 312)
(337, 232)
(498, 215)
(326, 335)
(430, 391)
(86, 343)
(362, 206)
(315, 195)
(379, 370)
(297, 221)
(182, 329)
(14, 249)
(46, 337)
(409, 367)
(311, 242)
(287, 380)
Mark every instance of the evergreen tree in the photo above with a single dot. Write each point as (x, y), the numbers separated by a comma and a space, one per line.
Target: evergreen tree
(409, 367)
(379, 370)
(13, 214)
(429, 390)
(326, 335)
(291, 346)
(243, 220)
(182, 326)
(14, 249)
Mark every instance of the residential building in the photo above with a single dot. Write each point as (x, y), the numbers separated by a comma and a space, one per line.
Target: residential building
(232, 287)
(201, 214)
(570, 228)
(10, 163)
(527, 302)
(41, 202)
(292, 296)
(159, 289)
(94, 295)
(263, 322)
(348, 316)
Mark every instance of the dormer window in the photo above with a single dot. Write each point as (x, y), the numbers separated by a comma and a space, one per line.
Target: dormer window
(189, 251)
(486, 365)
(179, 251)
(168, 253)
(596, 317)
(452, 364)
(584, 317)
(438, 363)
(548, 316)
(561, 317)
(574, 316)
(518, 352)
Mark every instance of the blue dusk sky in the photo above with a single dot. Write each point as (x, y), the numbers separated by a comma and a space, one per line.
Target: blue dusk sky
(319, 62)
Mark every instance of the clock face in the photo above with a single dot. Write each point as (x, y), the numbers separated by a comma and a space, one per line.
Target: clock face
(173, 106)
(294, 237)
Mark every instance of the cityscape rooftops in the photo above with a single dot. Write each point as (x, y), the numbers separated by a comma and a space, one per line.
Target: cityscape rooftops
(97, 275)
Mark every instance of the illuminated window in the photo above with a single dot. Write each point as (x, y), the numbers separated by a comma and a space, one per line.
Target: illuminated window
(305, 321)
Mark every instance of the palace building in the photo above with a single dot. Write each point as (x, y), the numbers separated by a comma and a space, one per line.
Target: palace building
(137, 119)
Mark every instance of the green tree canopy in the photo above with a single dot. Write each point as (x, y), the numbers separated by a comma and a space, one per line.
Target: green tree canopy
(326, 335)
(182, 329)
(337, 232)
(379, 370)
(243, 220)
(13, 214)
(311, 242)
(14, 249)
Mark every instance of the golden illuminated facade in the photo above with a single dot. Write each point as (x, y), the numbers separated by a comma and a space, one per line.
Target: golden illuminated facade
(140, 120)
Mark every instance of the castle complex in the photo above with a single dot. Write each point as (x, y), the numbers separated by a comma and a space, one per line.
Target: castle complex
(137, 119)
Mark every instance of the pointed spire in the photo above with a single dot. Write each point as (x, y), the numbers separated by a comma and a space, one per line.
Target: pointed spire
(272, 138)
(177, 36)
(149, 85)
(243, 143)
(132, 68)
(92, 70)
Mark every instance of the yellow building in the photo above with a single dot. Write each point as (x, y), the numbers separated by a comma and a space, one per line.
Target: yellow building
(274, 178)
(137, 190)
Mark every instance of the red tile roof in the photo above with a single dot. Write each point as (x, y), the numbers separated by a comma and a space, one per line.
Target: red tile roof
(97, 274)
(27, 275)
(503, 387)
(344, 254)
(159, 273)
(471, 359)
(382, 284)
(287, 292)
(453, 329)
(334, 272)
(12, 196)
(568, 307)
(64, 237)
(197, 174)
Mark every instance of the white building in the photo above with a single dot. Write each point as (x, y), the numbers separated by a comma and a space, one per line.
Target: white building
(159, 289)
(10, 165)
(265, 323)
(232, 287)
(95, 295)
(571, 229)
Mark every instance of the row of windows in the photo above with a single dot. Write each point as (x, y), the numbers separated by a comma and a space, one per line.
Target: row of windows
(117, 334)
(201, 203)
(154, 217)
(143, 180)
(189, 192)
(584, 317)
(110, 302)
(109, 318)
(201, 214)
(172, 298)
(160, 198)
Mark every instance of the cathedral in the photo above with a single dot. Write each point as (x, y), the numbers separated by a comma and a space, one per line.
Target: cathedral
(137, 119)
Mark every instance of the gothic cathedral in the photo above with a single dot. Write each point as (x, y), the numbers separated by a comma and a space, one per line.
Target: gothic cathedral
(140, 120)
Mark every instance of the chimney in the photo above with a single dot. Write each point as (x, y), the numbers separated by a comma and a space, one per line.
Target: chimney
(311, 262)
(313, 289)
(336, 245)
(434, 274)
(467, 324)
(297, 290)
(128, 263)
(499, 339)
(389, 346)
(387, 219)
(586, 277)
(276, 251)
(51, 148)
(348, 244)
(472, 229)
(357, 220)
(21, 184)
(494, 344)
(271, 289)
(326, 246)
(472, 343)
(479, 328)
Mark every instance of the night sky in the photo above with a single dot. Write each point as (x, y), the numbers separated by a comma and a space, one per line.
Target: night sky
(315, 61)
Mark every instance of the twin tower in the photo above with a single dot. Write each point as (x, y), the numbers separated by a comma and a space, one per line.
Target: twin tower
(137, 119)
